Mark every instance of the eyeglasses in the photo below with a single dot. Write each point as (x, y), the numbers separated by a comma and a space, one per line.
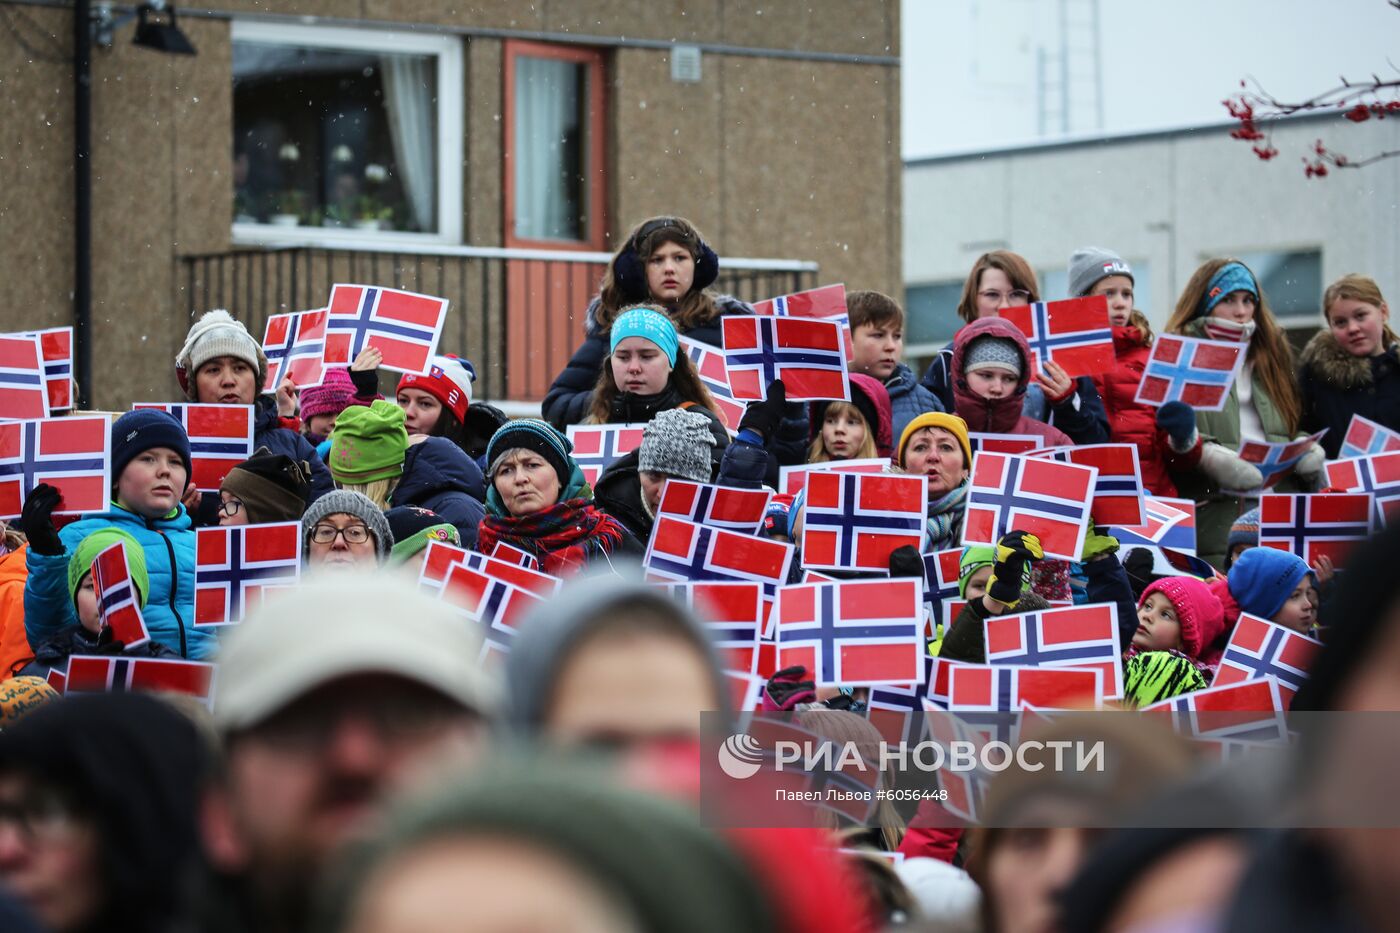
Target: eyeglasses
(1017, 296)
(39, 814)
(354, 534)
(231, 507)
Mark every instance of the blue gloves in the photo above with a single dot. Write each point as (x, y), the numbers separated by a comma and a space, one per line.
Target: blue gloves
(1179, 421)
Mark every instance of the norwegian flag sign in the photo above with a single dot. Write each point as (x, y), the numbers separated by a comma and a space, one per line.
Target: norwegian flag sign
(853, 521)
(597, 445)
(536, 581)
(1171, 523)
(1048, 499)
(1005, 688)
(1074, 333)
(710, 365)
(1364, 437)
(966, 788)
(829, 301)
(1118, 497)
(221, 437)
(1312, 526)
(106, 674)
(1252, 710)
(733, 613)
(1188, 369)
(23, 393)
(295, 345)
(70, 454)
(118, 604)
(497, 606)
(717, 506)
(57, 346)
(897, 711)
(941, 571)
(793, 479)
(233, 564)
(1003, 443)
(1276, 461)
(438, 559)
(1259, 648)
(404, 326)
(1378, 474)
(1080, 636)
(854, 631)
(513, 555)
(684, 551)
(807, 355)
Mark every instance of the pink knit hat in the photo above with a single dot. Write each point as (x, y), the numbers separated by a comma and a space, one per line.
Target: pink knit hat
(331, 397)
(1198, 611)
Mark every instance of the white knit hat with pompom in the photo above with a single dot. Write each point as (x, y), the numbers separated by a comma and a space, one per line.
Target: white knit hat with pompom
(217, 333)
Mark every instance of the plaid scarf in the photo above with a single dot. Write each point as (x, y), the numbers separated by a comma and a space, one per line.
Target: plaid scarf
(563, 537)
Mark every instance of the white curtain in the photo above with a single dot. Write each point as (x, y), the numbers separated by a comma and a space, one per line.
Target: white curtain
(546, 148)
(408, 90)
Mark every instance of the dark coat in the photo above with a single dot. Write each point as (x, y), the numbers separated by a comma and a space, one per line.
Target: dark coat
(268, 432)
(438, 475)
(75, 639)
(619, 493)
(1335, 385)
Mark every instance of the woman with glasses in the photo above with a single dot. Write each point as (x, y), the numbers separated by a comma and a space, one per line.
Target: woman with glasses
(345, 530)
(1003, 279)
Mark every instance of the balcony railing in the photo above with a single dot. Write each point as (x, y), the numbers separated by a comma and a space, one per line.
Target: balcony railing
(516, 314)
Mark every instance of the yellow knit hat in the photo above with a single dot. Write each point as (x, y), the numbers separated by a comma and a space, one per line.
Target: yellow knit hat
(937, 419)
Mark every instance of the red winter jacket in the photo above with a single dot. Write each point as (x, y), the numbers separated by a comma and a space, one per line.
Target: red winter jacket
(1135, 423)
(1003, 415)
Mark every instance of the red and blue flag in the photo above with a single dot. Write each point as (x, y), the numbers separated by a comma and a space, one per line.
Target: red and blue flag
(1046, 498)
(404, 326)
(853, 521)
(295, 345)
(808, 355)
(1188, 369)
(70, 454)
(853, 631)
(233, 564)
(1074, 333)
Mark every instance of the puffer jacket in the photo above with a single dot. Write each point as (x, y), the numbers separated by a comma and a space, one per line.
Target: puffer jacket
(438, 475)
(1335, 385)
(168, 545)
(268, 432)
(14, 643)
(908, 399)
(1132, 422)
(1003, 415)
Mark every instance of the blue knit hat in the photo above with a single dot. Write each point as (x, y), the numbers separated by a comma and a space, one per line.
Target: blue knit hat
(650, 324)
(1229, 278)
(138, 431)
(1263, 578)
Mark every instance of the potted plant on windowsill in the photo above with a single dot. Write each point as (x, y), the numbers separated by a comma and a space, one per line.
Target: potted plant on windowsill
(289, 207)
(372, 215)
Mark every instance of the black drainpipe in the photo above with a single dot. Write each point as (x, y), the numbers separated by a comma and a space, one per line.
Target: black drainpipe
(82, 202)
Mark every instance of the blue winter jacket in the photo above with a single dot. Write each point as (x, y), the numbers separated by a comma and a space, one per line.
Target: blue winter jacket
(908, 399)
(267, 432)
(438, 475)
(168, 544)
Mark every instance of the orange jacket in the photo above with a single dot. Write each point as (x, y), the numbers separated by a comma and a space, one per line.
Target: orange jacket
(14, 644)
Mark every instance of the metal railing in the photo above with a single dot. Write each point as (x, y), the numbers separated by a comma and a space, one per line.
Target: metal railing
(516, 314)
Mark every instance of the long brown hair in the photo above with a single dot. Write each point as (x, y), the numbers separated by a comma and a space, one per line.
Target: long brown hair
(683, 377)
(1013, 264)
(1269, 352)
(696, 307)
(1358, 287)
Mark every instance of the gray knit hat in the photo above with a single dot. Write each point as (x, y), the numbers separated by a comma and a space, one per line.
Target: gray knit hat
(1090, 264)
(677, 443)
(345, 502)
(217, 334)
(993, 353)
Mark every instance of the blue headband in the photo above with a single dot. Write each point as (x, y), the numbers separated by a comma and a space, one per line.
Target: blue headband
(1231, 277)
(649, 325)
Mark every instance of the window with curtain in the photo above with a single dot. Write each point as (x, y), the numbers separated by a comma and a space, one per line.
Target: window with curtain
(331, 136)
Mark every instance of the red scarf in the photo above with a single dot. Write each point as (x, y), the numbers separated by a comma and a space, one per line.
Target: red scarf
(564, 538)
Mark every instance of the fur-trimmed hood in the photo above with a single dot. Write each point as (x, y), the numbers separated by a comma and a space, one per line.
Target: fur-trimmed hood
(1336, 367)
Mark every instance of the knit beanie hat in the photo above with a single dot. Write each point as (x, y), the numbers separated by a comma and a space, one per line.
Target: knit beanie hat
(20, 696)
(217, 334)
(80, 563)
(993, 353)
(1228, 279)
(331, 397)
(1198, 611)
(937, 419)
(138, 431)
(648, 323)
(1263, 578)
(1245, 530)
(974, 558)
(413, 527)
(345, 502)
(677, 443)
(368, 444)
(1090, 264)
(533, 435)
(273, 487)
(1154, 676)
(448, 379)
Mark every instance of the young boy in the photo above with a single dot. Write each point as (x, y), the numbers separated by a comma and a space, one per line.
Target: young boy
(877, 337)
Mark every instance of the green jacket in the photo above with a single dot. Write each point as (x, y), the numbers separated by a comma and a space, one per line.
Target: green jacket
(1215, 513)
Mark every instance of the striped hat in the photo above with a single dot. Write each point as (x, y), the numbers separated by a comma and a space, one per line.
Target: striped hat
(534, 435)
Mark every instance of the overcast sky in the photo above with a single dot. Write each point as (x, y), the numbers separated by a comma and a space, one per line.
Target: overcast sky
(970, 66)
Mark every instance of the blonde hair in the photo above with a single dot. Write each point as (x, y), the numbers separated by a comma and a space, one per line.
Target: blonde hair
(378, 491)
(817, 452)
(1019, 271)
(1268, 352)
(1362, 288)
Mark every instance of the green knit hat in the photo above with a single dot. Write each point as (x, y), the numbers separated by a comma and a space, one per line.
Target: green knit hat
(368, 444)
(418, 541)
(974, 558)
(87, 550)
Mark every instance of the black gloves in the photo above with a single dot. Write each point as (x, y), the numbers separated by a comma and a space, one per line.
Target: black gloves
(1012, 570)
(906, 561)
(765, 416)
(366, 382)
(36, 520)
(1179, 421)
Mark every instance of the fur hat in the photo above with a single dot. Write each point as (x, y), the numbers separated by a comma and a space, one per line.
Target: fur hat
(1198, 611)
(217, 334)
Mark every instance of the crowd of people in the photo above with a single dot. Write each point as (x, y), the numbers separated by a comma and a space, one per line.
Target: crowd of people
(359, 767)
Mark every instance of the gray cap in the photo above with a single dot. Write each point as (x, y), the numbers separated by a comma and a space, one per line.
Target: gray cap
(345, 502)
(1092, 263)
(677, 443)
(333, 627)
(993, 353)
